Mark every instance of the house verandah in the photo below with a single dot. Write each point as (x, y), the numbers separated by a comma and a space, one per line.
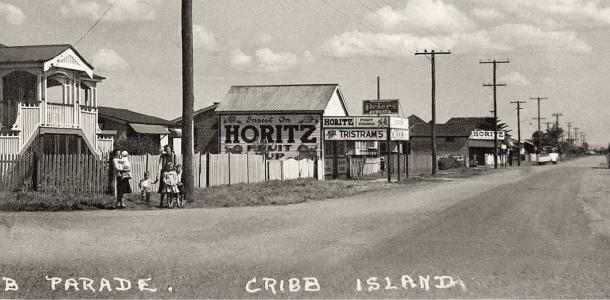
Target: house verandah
(48, 102)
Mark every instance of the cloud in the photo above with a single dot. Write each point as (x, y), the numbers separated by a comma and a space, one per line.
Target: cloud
(239, 60)
(532, 37)
(108, 60)
(503, 38)
(267, 61)
(486, 13)
(203, 38)
(11, 14)
(422, 16)
(561, 12)
(123, 10)
(515, 78)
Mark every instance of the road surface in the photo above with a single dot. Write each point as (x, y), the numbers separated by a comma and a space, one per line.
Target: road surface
(521, 232)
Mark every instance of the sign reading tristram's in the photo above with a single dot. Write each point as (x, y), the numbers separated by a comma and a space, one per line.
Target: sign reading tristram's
(486, 135)
(355, 134)
(275, 136)
(379, 107)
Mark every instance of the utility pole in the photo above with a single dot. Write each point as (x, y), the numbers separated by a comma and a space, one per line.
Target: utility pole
(187, 98)
(519, 108)
(569, 128)
(539, 130)
(378, 89)
(433, 54)
(576, 136)
(548, 124)
(495, 85)
(557, 115)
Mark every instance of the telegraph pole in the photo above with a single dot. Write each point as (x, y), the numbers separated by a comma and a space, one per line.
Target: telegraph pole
(519, 108)
(432, 54)
(187, 98)
(557, 115)
(569, 128)
(539, 130)
(576, 136)
(495, 85)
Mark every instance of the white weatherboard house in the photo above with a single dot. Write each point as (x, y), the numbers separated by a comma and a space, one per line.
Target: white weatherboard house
(48, 102)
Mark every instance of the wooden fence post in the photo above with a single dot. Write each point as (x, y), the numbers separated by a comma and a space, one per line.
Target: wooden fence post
(207, 169)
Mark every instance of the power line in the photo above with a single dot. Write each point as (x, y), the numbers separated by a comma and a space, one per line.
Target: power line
(96, 22)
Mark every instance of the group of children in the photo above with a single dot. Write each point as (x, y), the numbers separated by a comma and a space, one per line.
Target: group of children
(171, 186)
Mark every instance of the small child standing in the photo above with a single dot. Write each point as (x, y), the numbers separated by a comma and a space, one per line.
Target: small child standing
(180, 195)
(170, 183)
(145, 187)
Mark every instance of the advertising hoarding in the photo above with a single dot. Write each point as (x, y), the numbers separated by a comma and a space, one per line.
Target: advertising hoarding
(355, 134)
(380, 107)
(275, 136)
(486, 135)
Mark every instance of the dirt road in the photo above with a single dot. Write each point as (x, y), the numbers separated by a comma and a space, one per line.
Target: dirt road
(520, 232)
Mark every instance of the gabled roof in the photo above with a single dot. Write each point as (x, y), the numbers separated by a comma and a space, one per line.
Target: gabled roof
(476, 122)
(197, 112)
(129, 116)
(413, 119)
(441, 130)
(276, 98)
(35, 53)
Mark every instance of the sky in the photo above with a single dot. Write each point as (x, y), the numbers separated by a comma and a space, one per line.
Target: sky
(557, 49)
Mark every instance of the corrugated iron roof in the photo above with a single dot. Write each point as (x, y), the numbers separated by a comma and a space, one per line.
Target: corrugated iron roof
(35, 53)
(131, 117)
(149, 129)
(414, 119)
(271, 98)
(178, 120)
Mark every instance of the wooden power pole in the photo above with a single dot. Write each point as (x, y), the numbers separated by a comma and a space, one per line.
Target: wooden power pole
(432, 54)
(187, 98)
(539, 118)
(495, 85)
(519, 108)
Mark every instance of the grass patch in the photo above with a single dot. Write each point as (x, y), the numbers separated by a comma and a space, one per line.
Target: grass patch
(35, 201)
(279, 192)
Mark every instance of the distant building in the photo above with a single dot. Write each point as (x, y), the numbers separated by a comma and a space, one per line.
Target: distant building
(205, 129)
(454, 138)
(129, 124)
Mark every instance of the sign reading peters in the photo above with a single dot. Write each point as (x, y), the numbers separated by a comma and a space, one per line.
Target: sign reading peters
(275, 136)
(379, 107)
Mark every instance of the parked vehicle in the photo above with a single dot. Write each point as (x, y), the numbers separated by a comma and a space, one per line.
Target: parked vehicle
(548, 154)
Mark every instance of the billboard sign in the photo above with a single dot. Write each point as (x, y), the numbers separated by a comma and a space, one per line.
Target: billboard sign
(486, 135)
(275, 136)
(355, 134)
(399, 134)
(380, 107)
(356, 122)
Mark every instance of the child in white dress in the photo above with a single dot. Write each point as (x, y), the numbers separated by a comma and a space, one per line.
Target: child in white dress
(170, 183)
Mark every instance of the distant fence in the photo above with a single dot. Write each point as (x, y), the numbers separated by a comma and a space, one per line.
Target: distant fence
(89, 174)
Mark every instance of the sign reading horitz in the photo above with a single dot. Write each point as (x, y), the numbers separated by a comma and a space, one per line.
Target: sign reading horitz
(380, 107)
(276, 136)
(356, 122)
(486, 135)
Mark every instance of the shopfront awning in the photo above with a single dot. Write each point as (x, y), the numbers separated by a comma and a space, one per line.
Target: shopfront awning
(149, 129)
(483, 143)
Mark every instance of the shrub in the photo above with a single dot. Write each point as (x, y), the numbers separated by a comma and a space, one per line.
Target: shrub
(138, 146)
(447, 163)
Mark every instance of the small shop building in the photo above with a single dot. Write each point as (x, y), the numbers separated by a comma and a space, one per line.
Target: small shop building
(464, 139)
(278, 121)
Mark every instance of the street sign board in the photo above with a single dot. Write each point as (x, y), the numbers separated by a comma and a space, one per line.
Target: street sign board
(486, 135)
(355, 134)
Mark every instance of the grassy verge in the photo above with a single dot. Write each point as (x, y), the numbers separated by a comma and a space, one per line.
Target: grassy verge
(35, 201)
(280, 192)
(254, 194)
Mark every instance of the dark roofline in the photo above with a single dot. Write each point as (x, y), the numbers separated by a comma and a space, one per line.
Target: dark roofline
(160, 121)
(199, 111)
(275, 85)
